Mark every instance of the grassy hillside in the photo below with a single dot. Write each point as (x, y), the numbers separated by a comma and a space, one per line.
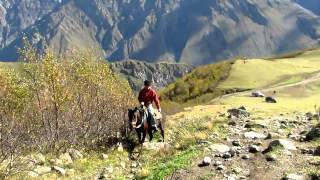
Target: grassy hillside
(210, 81)
(199, 83)
(258, 73)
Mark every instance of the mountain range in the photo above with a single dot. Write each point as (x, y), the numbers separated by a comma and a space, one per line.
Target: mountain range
(188, 31)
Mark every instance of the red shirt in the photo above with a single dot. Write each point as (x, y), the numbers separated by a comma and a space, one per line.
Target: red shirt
(148, 95)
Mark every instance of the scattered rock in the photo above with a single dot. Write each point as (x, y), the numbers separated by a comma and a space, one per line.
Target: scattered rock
(254, 149)
(231, 177)
(288, 145)
(59, 170)
(71, 172)
(232, 152)
(134, 164)
(236, 143)
(245, 157)
(254, 135)
(293, 177)
(232, 123)
(130, 176)
(254, 125)
(56, 162)
(237, 170)
(220, 168)
(295, 137)
(37, 159)
(65, 158)
(226, 155)
(316, 152)
(109, 170)
(306, 151)
(32, 174)
(104, 156)
(271, 157)
(217, 163)
(123, 164)
(220, 148)
(42, 170)
(75, 154)
(120, 147)
(206, 161)
(156, 145)
(309, 116)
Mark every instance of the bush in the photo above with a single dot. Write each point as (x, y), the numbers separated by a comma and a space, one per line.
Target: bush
(55, 103)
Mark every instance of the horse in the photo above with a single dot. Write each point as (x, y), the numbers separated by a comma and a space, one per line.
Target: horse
(138, 120)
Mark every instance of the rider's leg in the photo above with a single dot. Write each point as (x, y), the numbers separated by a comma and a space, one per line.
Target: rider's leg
(151, 116)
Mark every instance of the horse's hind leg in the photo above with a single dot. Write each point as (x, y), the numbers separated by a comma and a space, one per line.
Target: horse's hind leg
(150, 134)
(144, 134)
(161, 131)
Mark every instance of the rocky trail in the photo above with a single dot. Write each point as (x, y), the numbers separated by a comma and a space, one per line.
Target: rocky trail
(264, 149)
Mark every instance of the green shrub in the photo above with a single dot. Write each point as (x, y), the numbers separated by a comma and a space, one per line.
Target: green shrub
(200, 82)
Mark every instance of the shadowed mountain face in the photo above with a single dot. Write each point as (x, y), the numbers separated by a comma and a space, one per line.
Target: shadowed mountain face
(312, 5)
(161, 74)
(189, 31)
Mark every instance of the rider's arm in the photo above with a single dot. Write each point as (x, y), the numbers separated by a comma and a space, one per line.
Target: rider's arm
(157, 101)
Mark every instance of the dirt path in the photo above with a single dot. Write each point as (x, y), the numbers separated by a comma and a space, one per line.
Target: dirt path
(312, 79)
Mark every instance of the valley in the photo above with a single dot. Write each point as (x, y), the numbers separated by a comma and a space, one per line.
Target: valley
(234, 144)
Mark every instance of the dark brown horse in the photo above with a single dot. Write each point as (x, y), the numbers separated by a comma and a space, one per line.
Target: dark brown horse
(138, 120)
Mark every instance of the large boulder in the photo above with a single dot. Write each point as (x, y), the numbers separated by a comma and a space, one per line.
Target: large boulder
(238, 112)
(254, 135)
(219, 148)
(313, 134)
(283, 143)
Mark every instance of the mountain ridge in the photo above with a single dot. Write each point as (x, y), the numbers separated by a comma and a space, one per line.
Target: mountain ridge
(182, 31)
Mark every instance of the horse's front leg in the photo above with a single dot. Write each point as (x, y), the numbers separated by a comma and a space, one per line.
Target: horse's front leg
(150, 134)
(139, 136)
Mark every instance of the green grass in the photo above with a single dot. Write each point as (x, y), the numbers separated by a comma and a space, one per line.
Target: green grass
(299, 99)
(166, 166)
(258, 73)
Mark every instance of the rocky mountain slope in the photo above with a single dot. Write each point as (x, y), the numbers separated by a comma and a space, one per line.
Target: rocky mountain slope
(161, 74)
(177, 30)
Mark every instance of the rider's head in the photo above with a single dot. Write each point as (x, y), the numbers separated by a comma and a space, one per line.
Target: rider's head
(147, 83)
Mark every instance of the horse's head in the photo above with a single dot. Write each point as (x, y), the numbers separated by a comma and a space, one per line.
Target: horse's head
(134, 116)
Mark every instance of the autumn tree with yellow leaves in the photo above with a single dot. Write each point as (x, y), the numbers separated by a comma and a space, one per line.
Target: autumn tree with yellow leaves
(52, 103)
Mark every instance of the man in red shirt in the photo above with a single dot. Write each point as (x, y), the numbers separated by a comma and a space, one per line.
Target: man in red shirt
(146, 97)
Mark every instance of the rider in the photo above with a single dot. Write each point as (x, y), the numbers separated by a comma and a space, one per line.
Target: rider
(146, 97)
